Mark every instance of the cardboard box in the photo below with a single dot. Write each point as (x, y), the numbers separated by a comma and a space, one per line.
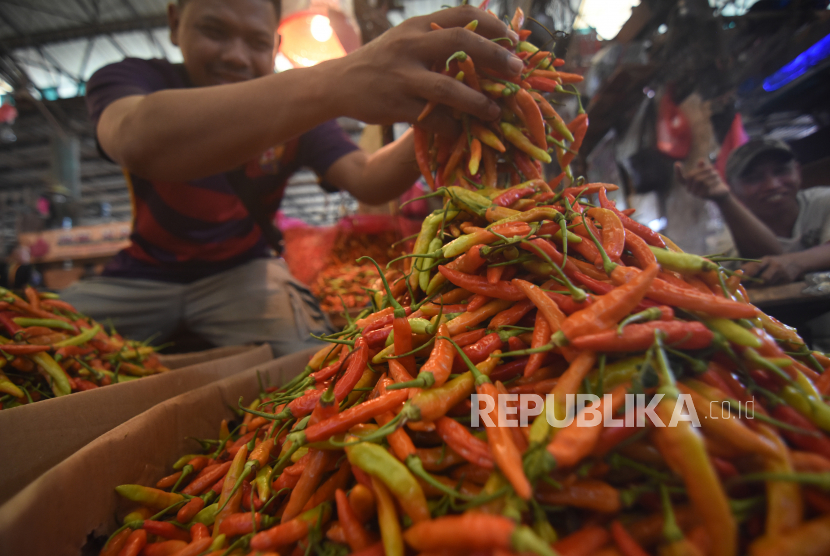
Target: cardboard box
(179, 360)
(72, 508)
(37, 436)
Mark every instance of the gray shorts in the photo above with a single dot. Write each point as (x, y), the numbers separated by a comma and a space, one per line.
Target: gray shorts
(257, 302)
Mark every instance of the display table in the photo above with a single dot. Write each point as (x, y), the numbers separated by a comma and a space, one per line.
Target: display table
(790, 305)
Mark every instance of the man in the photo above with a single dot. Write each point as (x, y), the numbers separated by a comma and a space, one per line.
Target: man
(191, 139)
(768, 214)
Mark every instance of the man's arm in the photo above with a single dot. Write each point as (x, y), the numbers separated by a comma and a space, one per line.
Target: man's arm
(184, 134)
(783, 269)
(378, 177)
(752, 237)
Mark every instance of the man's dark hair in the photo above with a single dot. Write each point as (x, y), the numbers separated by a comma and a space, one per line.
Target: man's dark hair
(276, 3)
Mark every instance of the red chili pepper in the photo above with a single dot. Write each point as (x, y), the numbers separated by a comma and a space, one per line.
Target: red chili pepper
(466, 338)
(135, 542)
(377, 338)
(356, 535)
(464, 443)
(355, 415)
(116, 543)
(476, 302)
(403, 344)
(542, 84)
(422, 155)
(479, 284)
(818, 444)
(328, 372)
(23, 349)
(611, 437)
(726, 470)
(206, 478)
(489, 177)
(163, 548)
(512, 195)
(494, 274)
(567, 303)
(383, 318)
(291, 531)
(510, 316)
(186, 513)
(478, 351)
(638, 337)
(625, 542)
(458, 149)
(584, 542)
(6, 320)
(165, 529)
(527, 167)
(667, 294)
(58, 304)
(506, 371)
(579, 127)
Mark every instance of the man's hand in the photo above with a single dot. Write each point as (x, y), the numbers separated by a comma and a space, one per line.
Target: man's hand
(702, 181)
(391, 78)
(776, 270)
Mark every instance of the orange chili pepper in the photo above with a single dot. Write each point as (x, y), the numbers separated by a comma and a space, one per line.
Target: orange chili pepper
(613, 233)
(607, 310)
(532, 118)
(475, 157)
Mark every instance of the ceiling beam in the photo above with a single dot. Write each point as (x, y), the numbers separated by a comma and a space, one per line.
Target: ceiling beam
(83, 31)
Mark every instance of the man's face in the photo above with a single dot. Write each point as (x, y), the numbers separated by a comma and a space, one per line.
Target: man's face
(224, 41)
(769, 184)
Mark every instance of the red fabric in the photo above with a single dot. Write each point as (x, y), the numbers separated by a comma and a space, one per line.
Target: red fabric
(735, 137)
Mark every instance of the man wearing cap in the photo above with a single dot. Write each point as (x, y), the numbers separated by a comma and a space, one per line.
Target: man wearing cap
(769, 215)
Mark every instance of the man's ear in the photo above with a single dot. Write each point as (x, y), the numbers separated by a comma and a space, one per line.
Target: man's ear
(173, 19)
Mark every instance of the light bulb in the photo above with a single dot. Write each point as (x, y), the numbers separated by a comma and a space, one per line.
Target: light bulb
(321, 28)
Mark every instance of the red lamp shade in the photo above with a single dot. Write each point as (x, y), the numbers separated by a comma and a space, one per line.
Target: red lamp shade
(312, 36)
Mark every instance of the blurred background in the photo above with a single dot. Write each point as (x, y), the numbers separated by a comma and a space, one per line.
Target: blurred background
(665, 81)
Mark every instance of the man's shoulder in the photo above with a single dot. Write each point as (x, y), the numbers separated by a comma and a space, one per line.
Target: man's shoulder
(819, 193)
(157, 71)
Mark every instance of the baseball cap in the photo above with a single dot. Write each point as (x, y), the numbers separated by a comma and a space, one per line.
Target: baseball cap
(741, 157)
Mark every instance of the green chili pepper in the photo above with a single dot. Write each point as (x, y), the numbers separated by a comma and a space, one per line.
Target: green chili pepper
(684, 263)
(515, 136)
(207, 515)
(81, 338)
(60, 381)
(148, 496)
(474, 202)
(734, 332)
(378, 462)
(48, 323)
(428, 230)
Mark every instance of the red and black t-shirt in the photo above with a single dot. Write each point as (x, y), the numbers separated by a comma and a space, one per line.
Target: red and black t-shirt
(184, 231)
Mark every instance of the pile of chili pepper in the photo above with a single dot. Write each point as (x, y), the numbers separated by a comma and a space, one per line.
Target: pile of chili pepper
(529, 131)
(344, 284)
(533, 289)
(49, 349)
